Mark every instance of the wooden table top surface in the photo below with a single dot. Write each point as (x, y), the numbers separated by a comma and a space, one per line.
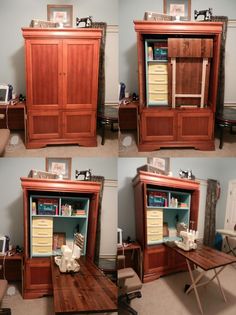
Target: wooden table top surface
(86, 291)
(205, 257)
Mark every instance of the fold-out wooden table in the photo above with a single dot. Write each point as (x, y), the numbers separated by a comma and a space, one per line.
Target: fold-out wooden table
(207, 259)
(87, 291)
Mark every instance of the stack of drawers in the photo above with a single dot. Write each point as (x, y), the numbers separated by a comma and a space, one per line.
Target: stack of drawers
(154, 225)
(42, 236)
(157, 84)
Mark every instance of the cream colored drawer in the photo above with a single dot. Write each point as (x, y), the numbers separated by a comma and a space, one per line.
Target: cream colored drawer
(158, 97)
(46, 241)
(42, 222)
(158, 88)
(157, 68)
(155, 229)
(42, 232)
(154, 221)
(41, 249)
(153, 237)
(156, 213)
(157, 78)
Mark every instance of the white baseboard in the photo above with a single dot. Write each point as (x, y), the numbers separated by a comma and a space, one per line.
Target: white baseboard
(230, 104)
(107, 256)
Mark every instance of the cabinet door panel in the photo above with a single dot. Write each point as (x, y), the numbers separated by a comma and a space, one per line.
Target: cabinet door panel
(38, 275)
(158, 126)
(156, 262)
(195, 126)
(79, 123)
(44, 124)
(44, 72)
(81, 73)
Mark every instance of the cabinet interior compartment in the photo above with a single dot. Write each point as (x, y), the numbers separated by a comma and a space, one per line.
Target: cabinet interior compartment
(54, 219)
(166, 211)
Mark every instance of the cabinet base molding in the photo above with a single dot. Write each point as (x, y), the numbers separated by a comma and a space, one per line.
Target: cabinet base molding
(147, 146)
(27, 295)
(156, 275)
(36, 144)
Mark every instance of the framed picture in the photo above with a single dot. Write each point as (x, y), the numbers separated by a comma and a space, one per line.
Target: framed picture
(178, 8)
(162, 164)
(59, 166)
(62, 14)
(59, 239)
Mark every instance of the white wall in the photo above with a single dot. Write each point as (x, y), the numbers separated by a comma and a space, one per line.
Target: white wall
(17, 14)
(11, 210)
(126, 172)
(109, 216)
(134, 10)
(111, 65)
(230, 64)
(221, 169)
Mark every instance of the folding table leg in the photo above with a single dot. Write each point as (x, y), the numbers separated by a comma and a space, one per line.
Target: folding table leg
(222, 291)
(231, 250)
(194, 286)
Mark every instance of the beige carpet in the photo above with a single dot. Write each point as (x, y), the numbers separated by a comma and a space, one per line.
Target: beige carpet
(109, 149)
(41, 306)
(228, 150)
(166, 296)
(19, 306)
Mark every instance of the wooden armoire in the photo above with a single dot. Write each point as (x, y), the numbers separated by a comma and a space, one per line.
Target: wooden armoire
(62, 68)
(163, 205)
(46, 218)
(178, 64)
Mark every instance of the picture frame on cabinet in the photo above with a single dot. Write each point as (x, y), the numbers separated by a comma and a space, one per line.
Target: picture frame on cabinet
(61, 14)
(59, 166)
(181, 9)
(162, 164)
(59, 239)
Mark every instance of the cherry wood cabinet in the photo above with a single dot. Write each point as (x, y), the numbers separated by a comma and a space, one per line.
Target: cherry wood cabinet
(158, 259)
(61, 85)
(37, 280)
(178, 64)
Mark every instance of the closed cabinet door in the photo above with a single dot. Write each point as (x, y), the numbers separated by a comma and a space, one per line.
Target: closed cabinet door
(79, 124)
(158, 126)
(37, 276)
(44, 73)
(195, 126)
(80, 69)
(156, 260)
(44, 124)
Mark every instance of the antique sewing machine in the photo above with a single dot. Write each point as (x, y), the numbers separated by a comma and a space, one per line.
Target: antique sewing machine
(188, 242)
(86, 20)
(206, 13)
(186, 174)
(86, 174)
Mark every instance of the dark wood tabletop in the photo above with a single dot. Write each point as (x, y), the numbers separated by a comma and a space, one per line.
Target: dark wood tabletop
(205, 257)
(86, 291)
(108, 112)
(227, 115)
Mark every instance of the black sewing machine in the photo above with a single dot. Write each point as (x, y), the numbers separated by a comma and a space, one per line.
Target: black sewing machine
(186, 174)
(86, 174)
(86, 20)
(206, 13)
